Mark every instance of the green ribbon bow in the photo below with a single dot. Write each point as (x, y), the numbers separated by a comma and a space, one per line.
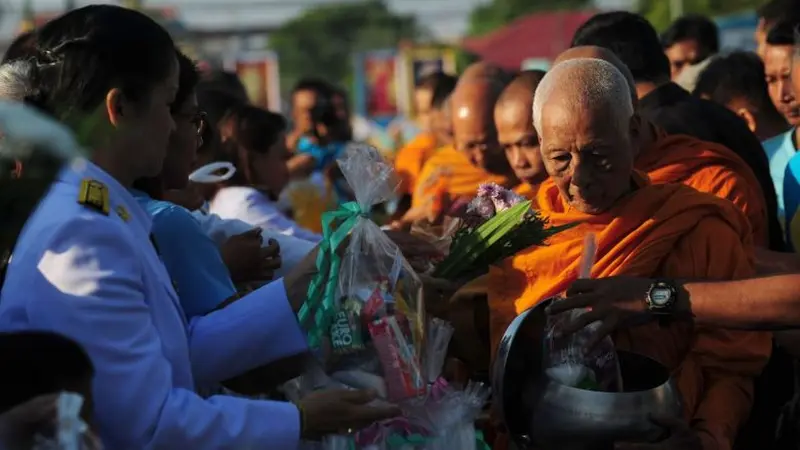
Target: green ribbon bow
(321, 297)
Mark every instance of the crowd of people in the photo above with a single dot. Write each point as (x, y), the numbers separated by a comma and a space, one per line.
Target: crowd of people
(160, 274)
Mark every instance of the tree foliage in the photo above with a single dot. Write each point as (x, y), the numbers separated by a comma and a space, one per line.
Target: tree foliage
(321, 42)
(659, 14)
(498, 13)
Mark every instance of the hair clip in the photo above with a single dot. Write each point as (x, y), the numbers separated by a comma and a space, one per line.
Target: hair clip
(206, 174)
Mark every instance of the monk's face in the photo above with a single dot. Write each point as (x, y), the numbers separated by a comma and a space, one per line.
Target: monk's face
(777, 69)
(518, 138)
(422, 106)
(442, 125)
(589, 157)
(474, 133)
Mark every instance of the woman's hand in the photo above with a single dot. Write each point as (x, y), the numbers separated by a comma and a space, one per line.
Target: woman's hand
(247, 260)
(341, 411)
(681, 437)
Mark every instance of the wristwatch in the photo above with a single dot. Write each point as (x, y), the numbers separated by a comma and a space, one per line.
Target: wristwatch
(661, 298)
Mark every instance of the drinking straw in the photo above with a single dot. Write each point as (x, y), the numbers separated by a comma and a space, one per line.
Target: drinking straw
(587, 258)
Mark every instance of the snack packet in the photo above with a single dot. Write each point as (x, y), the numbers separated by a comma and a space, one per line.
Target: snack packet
(364, 309)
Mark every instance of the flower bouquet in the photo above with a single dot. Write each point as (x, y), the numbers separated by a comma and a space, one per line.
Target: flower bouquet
(495, 225)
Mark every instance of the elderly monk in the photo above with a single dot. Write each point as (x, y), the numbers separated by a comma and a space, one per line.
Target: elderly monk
(705, 166)
(588, 134)
(475, 157)
(513, 118)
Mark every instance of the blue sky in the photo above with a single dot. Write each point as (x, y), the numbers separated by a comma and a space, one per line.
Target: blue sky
(446, 18)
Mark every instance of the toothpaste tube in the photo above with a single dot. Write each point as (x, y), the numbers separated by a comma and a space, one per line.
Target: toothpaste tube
(401, 367)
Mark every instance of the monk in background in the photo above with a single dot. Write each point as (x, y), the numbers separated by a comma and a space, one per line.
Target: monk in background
(589, 135)
(431, 92)
(705, 166)
(456, 171)
(513, 117)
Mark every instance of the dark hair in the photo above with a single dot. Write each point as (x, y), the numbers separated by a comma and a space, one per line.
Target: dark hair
(245, 129)
(216, 103)
(39, 363)
(632, 38)
(22, 47)
(88, 51)
(316, 85)
(443, 86)
(188, 77)
(736, 75)
(782, 32)
(776, 10)
(227, 81)
(693, 27)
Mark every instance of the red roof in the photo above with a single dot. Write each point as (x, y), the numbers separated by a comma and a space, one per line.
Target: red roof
(542, 35)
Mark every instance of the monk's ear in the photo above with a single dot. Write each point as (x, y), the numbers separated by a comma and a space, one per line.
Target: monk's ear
(748, 118)
(635, 127)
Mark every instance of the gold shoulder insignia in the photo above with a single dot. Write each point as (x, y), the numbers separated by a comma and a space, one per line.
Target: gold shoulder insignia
(94, 194)
(123, 213)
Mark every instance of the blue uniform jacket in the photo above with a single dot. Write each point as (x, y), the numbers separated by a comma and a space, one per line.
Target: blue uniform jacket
(95, 277)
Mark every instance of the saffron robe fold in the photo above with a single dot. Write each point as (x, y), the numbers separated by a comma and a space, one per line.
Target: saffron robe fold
(707, 167)
(449, 173)
(409, 160)
(527, 190)
(656, 231)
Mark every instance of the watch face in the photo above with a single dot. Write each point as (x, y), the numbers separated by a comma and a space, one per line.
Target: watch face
(660, 296)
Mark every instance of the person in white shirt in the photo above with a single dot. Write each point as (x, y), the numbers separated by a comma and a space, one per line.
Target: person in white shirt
(254, 140)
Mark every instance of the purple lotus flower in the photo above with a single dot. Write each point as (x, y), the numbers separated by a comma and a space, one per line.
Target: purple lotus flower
(481, 206)
(489, 190)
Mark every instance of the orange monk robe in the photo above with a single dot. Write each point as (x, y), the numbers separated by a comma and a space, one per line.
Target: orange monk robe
(449, 172)
(526, 190)
(710, 168)
(658, 231)
(409, 160)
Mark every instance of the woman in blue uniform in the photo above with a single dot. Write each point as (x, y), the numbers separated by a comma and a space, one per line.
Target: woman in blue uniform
(84, 265)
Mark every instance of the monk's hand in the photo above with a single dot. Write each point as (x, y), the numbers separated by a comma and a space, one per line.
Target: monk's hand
(679, 436)
(437, 293)
(341, 411)
(418, 251)
(614, 302)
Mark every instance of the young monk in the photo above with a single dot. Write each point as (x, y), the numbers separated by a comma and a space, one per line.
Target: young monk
(589, 135)
(705, 166)
(410, 159)
(513, 117)
(475, 156)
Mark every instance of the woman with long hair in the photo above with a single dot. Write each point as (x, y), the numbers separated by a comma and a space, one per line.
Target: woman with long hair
(85, 266)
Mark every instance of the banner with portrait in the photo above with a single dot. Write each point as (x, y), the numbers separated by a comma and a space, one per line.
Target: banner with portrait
(418, 62)
(259, 74)
(376, 90)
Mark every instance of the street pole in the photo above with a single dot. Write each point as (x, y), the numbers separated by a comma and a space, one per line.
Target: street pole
(675, 8)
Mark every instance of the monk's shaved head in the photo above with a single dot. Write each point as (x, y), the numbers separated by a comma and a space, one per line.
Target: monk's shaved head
(589, 83)
(472, 110)
(591, 51)
(521, 88)
(583, 114)
(513, 117)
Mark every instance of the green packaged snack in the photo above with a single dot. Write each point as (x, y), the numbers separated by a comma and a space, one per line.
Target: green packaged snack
(346, 331)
